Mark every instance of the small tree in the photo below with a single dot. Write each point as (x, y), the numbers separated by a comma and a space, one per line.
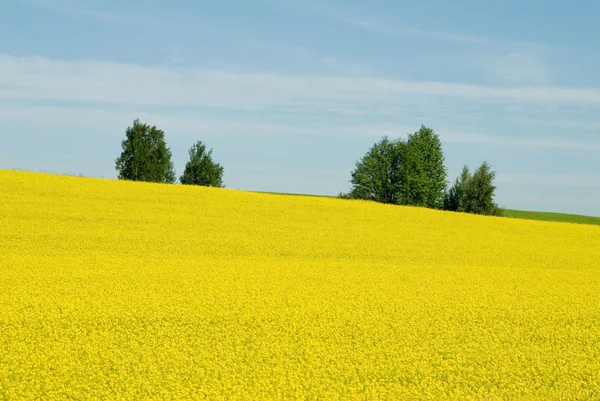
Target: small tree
(473, 193)
(479, 194)
(454, 198)
(145, 155)
(377, 175)
(423, 171)
(201, 169)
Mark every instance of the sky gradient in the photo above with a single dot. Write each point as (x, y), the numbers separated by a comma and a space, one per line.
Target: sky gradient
(289, 94)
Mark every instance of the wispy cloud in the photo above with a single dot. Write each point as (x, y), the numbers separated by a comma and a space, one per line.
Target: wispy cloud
(510, 62)
(516, 67)
(184, 125)
(37, 78)
(572, 180)
(113, 92)
(305, 58)
(556, 143)
(75, 10)
(375, 25)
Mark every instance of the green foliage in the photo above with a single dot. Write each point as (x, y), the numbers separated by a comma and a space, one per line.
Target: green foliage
(473, 193)
(201, 169)
(377, 175)
(145, 155)
(479, 194)
(423, 171)
(408, 172)
(455, 196)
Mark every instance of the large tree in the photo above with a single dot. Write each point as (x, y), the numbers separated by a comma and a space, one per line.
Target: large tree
(423, 171)
(377, 175)
(145, 155)
(201, 169)
(473, 193)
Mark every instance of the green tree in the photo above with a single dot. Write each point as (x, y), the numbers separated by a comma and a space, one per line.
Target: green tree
(377, 175)
(473, 193)
(201, 169)
(479, 194)
(423, 171)
(145, 155)
(454, 198)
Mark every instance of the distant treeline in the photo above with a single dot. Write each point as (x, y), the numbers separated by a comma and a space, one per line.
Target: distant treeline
(402, 172)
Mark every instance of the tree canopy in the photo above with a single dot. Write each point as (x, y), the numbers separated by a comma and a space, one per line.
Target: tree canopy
(422, 170)
(377, 175)
(473, 193)
(455, 197)
(402, 172)
(412, 172)
(145, 155)
(201, 169)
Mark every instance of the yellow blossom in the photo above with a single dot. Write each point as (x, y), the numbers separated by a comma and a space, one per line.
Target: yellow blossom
(138, 291)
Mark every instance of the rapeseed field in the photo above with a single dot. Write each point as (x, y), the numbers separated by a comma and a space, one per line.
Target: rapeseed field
(137, 291)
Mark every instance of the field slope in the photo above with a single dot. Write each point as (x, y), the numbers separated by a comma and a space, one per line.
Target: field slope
(520, 214)
(121, 290)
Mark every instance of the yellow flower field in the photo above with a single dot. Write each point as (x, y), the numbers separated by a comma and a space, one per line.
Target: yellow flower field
(135, 291)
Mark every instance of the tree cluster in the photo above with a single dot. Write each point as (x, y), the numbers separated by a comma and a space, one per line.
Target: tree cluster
(401, 172)
(412, 172)
(473, 193)
(146, 157)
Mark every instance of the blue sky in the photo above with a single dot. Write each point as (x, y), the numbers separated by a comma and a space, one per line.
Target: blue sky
(289, 94)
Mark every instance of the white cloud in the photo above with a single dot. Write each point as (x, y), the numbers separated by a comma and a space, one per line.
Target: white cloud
(468, 137)
(42, 79)
(182, 126)
(113, 121)
(114, 94)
